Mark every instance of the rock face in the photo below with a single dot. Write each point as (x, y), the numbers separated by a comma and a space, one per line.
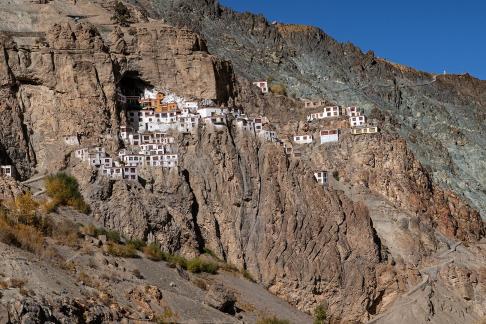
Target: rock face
(442, 118)
(178, 59)
(66, 84)
(393, 205)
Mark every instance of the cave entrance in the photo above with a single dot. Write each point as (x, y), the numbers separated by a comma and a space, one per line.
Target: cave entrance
(131, 84)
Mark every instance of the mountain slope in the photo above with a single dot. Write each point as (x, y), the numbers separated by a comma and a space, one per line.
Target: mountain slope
(442, 117)
(383, 234)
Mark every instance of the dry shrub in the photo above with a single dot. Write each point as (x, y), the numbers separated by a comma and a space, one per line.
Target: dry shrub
(153, 252)
(29, 238)
(201, 284)
(137, 274)
(198, 265)
(248, 276)
(123, 251)
(229, 267)
(12, 283)
(24, 208)
(68, 266)
(278, 88)
(7, 233)
(89, 230)
(67, 233)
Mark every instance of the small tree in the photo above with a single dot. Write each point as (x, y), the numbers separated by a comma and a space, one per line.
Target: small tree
(121, 15)
(320, 315)
(64, 191)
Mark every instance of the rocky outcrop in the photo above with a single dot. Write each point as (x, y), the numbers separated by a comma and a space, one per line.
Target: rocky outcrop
(66, 85)
(385, 165)
(440, 117)
(176, 58)
(254, 208)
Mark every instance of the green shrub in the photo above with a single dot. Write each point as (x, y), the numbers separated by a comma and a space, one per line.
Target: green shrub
(272, 320)
(209, 252)
(121, 15)
(153, 252)
(123, 251)
(137, 244)
(279, 89)
(320, 315)
(197, 265)
(64, 191)
(174, 260)
(335, 174)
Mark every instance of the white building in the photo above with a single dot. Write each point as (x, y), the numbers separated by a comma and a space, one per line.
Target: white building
(134, 159)
(6, 171)
(188, 124)
(82, 154)
(357, 121)
(331, 135)
(321, 177)
(258, 124)
(115, 173)
(216, 121)
(193, 106)
(268, 135)
(263, 85)
(71, 140)
(244, 124)
(211, 111)
(353, 111)
(327, 112)
(130, 173)
(303, 139)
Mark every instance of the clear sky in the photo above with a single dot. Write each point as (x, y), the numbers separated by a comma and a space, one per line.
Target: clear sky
(430, 35)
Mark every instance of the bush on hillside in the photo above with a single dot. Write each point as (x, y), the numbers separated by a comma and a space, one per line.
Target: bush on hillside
(320, 315)
(153, 252)
(278, 88)
(197, 265)
(121, 15)
(122, 251)
(64, 191)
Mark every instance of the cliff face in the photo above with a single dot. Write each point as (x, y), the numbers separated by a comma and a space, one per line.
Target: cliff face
(394, 203)
(442, 118)
(253, 207)
(65, 82)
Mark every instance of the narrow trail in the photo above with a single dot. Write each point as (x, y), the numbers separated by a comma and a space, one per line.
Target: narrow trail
(418, 84)
(36, 185)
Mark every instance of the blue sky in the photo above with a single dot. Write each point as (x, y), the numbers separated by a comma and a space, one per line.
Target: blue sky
(429, 35)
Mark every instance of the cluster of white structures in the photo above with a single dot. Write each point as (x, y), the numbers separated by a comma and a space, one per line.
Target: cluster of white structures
(149, 119)
(357, 122)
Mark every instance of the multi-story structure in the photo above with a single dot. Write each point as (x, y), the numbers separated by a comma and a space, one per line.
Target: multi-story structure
(357, 121)
(327, 112)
